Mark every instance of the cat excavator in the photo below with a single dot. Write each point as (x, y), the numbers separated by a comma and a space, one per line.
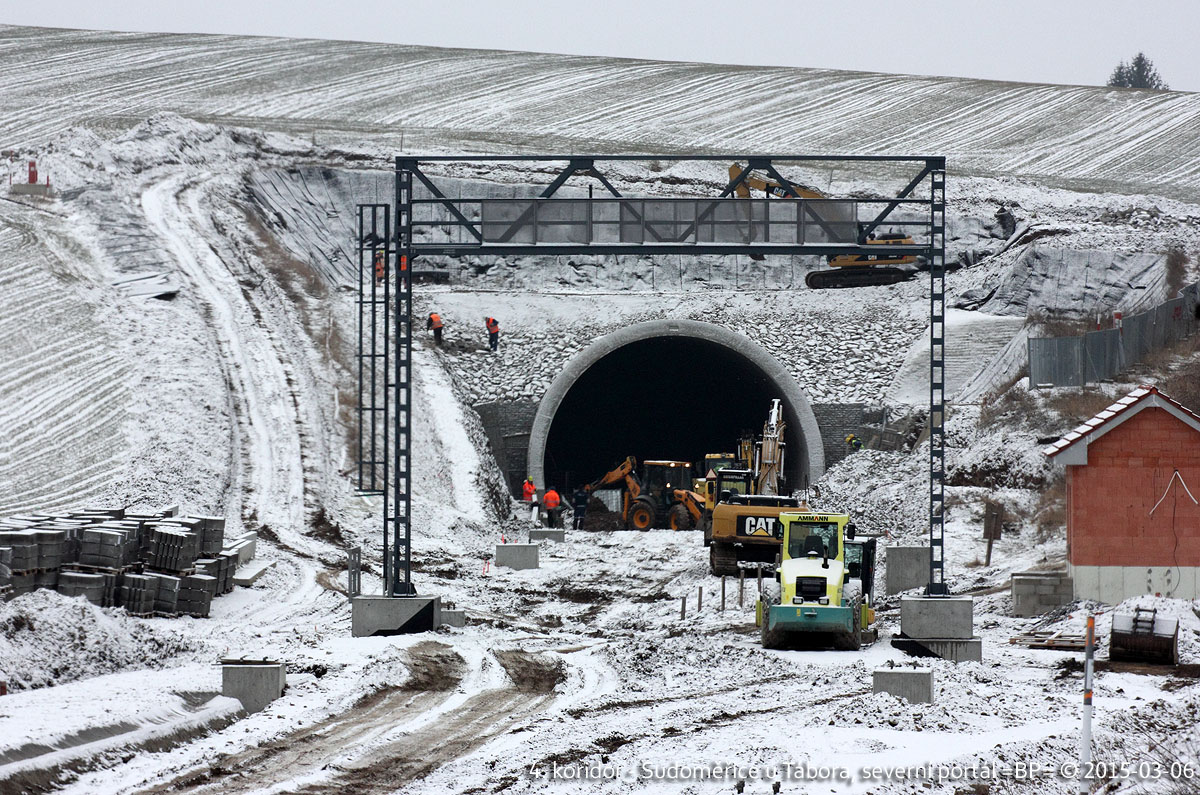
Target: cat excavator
(846, 270)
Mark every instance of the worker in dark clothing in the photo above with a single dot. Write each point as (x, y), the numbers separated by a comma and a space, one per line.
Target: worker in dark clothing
(553, 504)
(493, 330)
(579, 504)
(434, 323)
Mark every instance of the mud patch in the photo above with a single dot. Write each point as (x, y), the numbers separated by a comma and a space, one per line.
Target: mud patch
(433, 666)
(532, 673)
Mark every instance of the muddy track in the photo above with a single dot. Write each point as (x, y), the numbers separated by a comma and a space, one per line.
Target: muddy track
(436, 671)
(484, 716)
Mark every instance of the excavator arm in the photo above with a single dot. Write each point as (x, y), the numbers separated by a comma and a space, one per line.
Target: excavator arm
(625, 473)
(770, 187)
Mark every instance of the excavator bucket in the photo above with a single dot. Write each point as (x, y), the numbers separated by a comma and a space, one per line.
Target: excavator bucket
(1144, 636)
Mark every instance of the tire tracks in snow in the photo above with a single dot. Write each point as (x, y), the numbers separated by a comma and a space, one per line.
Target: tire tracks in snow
(269, 427)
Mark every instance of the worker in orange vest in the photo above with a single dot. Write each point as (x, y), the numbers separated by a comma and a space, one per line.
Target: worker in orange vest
(379, 255)
(493, 329)
(434, 323)
(528, 490)
(553, 505)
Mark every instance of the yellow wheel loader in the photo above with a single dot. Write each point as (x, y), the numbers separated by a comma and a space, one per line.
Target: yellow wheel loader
(652, 500)
(826, 586)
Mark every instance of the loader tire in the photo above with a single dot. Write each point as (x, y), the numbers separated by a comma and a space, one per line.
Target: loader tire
(722, 559)
(679, 518)
(641, 516)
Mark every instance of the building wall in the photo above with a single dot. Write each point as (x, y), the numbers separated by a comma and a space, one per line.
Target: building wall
(1109, 500)
(1114, 584)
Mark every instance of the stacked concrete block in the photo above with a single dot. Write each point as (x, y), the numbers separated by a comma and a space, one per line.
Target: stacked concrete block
(245, 546)
(137, 593)
(5, 573)
(166, 593)
(229, 564)
(92, 587)
(23, 544)
(212, 535)
(196, 593)
(1038, 592)
(50, 547)
(173, 548)
(107, 548)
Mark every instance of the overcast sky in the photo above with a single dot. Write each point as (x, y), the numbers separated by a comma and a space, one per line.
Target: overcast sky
(1051, 41)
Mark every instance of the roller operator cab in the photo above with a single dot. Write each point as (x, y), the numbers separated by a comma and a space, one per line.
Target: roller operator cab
(826, 584)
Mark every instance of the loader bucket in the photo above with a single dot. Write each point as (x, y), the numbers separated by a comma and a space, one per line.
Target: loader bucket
(1143, 636)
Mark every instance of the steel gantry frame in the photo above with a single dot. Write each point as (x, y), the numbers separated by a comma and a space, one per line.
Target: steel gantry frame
(547, 223)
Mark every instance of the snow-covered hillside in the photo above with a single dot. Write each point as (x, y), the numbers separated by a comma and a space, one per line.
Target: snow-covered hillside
(441, 99)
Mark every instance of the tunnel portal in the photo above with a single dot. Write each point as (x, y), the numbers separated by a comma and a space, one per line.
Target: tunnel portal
(666, 389)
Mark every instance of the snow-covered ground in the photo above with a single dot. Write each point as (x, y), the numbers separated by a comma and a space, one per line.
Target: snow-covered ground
(237, 398)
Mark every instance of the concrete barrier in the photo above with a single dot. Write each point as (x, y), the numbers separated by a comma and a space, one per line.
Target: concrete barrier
(907, 568)
(255, 683)
(1037, 592)
(915, 685)
(547, 535)
(517, 556)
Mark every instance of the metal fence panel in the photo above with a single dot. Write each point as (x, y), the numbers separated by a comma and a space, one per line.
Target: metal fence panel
(1056, 361)
(1100, 355)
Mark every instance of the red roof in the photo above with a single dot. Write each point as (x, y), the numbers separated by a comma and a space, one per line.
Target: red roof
(1143, 397)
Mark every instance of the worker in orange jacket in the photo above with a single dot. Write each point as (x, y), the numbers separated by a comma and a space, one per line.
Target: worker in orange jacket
(528, 490)
(434, 323)
(379, 255)
(553, 505)
(493, 330)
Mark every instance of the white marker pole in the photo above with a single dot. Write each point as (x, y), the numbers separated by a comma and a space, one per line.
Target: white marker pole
(1085, 731)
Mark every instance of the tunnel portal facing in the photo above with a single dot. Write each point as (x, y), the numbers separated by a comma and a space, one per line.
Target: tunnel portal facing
(641, 390)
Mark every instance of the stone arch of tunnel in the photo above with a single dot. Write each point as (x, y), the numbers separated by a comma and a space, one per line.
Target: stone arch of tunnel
(669, 389)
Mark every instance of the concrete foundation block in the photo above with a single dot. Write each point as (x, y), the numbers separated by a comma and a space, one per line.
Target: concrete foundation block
(914, 685)
(955, 649)
(1037, 592)
(907, 567)
(401, 615)
(547, 535)
(517, 556)
(454, 618)
(951, 617)
(254, 683)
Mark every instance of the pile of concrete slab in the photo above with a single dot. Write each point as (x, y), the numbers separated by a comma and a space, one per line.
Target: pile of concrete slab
(155, 563)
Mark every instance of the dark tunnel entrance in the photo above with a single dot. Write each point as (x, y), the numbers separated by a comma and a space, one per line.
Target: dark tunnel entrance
(671, 397)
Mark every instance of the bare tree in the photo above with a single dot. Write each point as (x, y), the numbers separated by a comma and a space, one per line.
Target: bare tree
(1138, 73)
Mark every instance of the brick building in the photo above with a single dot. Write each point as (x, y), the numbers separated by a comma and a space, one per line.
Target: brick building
(1133, 479)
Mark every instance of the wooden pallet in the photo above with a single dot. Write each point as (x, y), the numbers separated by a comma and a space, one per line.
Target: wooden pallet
(1057, 640)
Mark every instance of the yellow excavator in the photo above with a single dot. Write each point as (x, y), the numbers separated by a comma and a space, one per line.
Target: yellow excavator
(651, 500)
(847, 270)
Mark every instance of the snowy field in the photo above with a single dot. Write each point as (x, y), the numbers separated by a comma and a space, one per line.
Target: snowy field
(236, 398)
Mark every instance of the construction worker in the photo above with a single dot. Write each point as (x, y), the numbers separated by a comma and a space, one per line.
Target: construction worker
(553, 505)
(493, 330)
(434, 323)
(528, 491)
(579, 504)
(379, 266)
(853, 442)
